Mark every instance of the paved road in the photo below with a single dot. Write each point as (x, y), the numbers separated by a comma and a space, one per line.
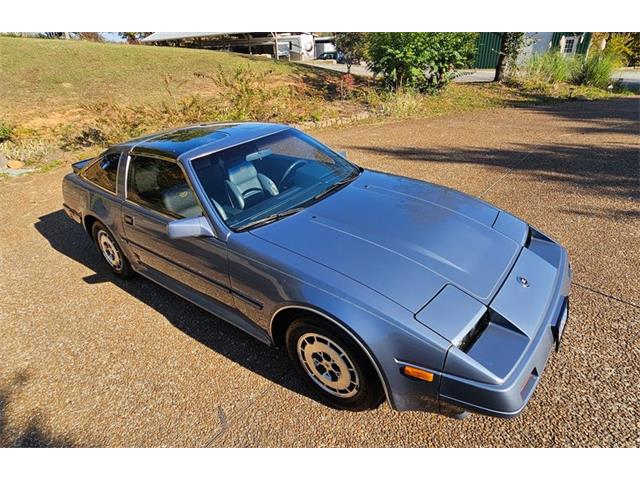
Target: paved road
(628, 77)
(466, 76)
(89, 360)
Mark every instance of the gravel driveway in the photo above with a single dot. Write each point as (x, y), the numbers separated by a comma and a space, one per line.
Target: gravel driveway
(90, 360)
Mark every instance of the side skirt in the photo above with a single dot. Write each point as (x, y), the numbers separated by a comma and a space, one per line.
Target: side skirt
(211, 306)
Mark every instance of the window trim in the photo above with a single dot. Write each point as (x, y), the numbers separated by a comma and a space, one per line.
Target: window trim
(168, 215)
(574, 44)
(83, 173)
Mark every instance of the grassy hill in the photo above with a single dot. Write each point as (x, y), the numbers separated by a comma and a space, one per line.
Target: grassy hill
(60, 100)
(40, 79)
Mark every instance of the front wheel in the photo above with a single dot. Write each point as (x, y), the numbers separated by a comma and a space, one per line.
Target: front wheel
(332, 365)
(111, 251)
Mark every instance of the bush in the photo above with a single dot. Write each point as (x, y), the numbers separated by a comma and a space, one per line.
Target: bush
(6, 132)
(31, 152)
(595, 70)
(419, 60)
(241, 94)
(401, 103)
(549, 67)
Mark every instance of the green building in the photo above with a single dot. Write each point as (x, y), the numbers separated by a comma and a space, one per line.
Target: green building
(488, 45)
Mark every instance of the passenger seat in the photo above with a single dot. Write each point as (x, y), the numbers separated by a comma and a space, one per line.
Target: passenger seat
(180, 200)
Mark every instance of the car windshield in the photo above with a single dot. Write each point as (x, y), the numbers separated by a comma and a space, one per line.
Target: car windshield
(270, 177)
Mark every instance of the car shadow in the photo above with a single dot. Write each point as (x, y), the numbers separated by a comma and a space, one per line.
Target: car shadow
(71, 240)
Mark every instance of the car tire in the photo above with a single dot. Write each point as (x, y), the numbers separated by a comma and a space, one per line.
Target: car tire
(332, 365)
(111, 251)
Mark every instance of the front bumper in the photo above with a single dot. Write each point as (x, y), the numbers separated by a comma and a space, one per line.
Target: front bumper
(509, 394)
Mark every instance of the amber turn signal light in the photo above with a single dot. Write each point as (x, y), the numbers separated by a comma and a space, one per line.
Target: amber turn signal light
(417, 373)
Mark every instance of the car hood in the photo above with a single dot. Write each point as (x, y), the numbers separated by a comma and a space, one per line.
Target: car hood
(403, 238)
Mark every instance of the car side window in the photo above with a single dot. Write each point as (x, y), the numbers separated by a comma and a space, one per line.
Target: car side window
(104, 172)
(160, 185)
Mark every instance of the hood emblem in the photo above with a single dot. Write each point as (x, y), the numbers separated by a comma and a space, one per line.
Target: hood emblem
(523, 281)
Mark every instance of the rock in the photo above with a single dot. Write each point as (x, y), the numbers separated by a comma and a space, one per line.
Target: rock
(14, 164)
(3, 160)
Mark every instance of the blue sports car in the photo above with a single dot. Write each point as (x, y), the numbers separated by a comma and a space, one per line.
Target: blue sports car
(378, 286)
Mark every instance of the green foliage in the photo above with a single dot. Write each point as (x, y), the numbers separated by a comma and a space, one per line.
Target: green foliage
(620, 47)
(422, 61)
(353, 45)
(510, 45)
(242, 94)
(595, 70)
(550, 67)
(6, 132)
(624, 46)
(133, 37)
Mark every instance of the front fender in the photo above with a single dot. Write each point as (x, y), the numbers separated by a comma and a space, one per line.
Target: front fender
(278, 279)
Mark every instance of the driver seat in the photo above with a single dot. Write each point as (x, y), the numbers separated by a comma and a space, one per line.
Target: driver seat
(246, 187)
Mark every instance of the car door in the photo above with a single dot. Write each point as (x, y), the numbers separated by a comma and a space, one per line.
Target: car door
(156, 193)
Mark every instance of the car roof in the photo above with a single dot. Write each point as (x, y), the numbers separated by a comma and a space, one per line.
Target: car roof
(197, 140)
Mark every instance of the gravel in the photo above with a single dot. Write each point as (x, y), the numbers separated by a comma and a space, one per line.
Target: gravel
(90, 360)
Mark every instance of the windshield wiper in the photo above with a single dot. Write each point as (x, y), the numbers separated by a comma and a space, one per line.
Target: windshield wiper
(269, 219)
(336, 186)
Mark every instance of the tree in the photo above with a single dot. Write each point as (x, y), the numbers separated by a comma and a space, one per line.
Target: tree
(419, 60)
(133, 37)
(353, 45)
(510, 45)
(624, 46)
(91, 36)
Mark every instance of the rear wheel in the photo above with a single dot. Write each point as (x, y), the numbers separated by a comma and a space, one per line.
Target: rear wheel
(111, 251)
(332, 365)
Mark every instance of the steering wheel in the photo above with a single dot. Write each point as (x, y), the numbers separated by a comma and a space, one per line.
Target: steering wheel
(290, 169)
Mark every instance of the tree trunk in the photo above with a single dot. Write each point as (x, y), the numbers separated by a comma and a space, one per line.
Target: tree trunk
(501, 60)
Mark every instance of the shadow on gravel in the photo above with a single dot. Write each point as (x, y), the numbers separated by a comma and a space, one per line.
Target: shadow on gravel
(609, 170)
(70, 239)
(31, 436)
(606, 170)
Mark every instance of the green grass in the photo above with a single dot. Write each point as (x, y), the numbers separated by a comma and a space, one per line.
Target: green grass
(64, 100)
(53, 78)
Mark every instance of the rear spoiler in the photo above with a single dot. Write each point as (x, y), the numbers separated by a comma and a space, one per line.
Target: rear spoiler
(80, 165)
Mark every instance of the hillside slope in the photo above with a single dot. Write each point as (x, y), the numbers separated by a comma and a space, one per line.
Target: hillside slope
(50, 78)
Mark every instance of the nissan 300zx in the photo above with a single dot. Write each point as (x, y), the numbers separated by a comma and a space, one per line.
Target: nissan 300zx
(378, 286)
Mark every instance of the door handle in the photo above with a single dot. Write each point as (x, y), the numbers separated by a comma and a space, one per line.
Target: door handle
(129, 220)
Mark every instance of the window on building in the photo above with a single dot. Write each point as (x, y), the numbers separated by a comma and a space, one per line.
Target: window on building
(570, 45)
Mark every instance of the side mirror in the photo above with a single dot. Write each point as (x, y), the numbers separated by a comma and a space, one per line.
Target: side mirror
(343, 153)
(190, 227)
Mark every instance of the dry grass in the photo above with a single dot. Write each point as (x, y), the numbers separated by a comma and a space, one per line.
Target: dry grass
(60, 100)
(39, 78)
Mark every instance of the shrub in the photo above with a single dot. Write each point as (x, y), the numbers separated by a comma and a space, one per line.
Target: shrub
(6, 132)
(418, 60)
(31, 152)
(241, 94)
(625, 46)
(595, 70)
(549, 67)
(401, 103)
